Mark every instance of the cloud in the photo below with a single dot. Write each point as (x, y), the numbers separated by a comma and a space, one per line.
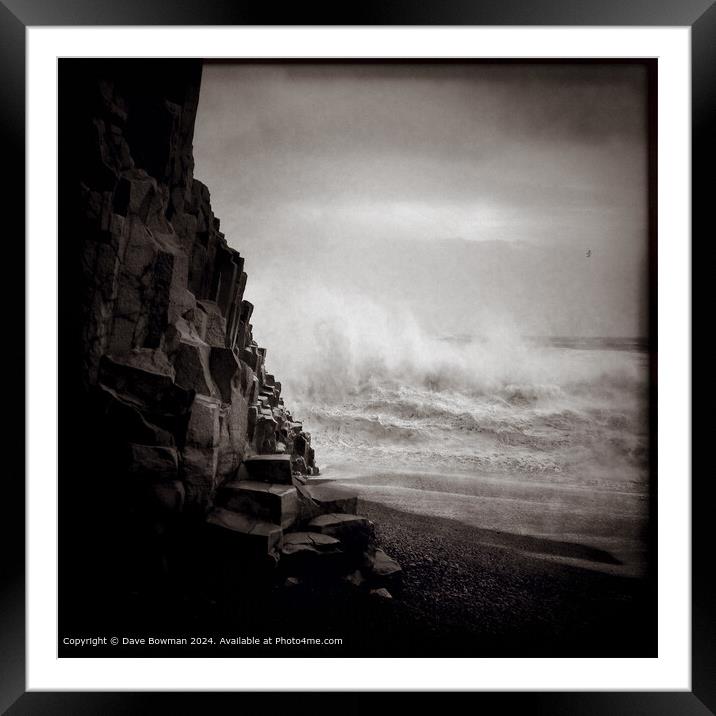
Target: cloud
(310, 161)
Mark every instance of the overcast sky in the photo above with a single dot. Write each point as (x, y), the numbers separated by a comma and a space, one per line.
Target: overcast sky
(464, 194)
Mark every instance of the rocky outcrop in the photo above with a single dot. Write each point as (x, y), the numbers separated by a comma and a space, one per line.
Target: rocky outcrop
(167, 338)
(192, 424)
(272, 521)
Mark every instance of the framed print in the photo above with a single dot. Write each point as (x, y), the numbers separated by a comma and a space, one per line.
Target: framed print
(372, 351)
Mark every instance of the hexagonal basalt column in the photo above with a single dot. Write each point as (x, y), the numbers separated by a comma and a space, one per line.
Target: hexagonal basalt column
(244, 534)
(262, 500)
(267, 468)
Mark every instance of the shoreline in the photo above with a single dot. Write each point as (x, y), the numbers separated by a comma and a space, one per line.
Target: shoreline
(592, 528)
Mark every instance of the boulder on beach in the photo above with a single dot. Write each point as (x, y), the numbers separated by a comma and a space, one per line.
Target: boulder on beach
(315, 500)
(382, 570)
(355, 533)
(381, 593)
(310, 552)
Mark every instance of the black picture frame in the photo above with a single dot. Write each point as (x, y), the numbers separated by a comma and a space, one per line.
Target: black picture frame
(16, 15)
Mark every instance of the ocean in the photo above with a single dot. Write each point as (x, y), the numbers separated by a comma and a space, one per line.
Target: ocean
(539, 437)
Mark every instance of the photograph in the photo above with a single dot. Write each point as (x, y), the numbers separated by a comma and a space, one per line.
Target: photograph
(356, 358)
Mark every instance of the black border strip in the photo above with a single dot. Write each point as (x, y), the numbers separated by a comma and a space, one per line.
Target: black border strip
(12, 572)
(367, 12)
(703, 488)
(699, 14)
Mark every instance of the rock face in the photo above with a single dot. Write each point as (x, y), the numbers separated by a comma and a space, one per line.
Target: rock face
(167, 338)
(192, 424)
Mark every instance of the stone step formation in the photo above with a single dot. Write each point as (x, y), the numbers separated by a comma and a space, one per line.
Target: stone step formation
(192, 423)
(307, 531)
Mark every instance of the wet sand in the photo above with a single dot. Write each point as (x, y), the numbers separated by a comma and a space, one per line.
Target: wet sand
(593, 526)
(471, 590)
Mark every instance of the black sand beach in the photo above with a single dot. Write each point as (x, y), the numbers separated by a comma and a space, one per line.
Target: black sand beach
(465, 592)
(476, 592)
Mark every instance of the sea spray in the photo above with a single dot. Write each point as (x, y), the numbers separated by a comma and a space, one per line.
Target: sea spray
(376, 388)
(329, 344)
(531, 435)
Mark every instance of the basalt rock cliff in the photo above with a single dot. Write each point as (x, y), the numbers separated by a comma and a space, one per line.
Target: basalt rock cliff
(175, 443)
